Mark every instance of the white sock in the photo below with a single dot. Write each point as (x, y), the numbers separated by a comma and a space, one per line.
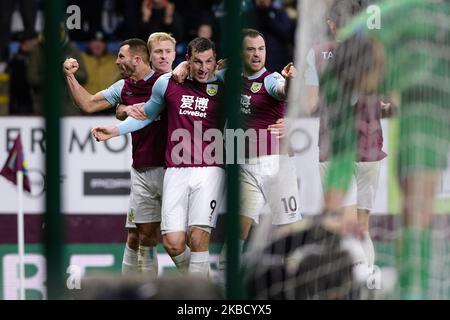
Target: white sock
(148, 261)
(199, 263)
(182, 260)
(130, 261)
(368, 248)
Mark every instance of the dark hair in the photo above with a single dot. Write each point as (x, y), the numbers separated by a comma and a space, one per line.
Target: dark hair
(200, 45)
(138, 47)
(252, 33)
(342, 11)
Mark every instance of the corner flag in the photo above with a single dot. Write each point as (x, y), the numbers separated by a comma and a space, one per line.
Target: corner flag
(16, 162)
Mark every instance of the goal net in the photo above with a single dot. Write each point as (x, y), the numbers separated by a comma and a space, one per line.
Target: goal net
(369, 121)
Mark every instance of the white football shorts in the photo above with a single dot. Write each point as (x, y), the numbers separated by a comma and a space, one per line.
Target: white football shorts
(145, 196)
(192, 197)
(364, 184)
(273, 180)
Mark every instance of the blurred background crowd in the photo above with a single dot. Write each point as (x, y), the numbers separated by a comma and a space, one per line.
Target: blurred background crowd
(105, 23)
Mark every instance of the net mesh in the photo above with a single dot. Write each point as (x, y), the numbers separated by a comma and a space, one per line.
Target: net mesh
(369, 84)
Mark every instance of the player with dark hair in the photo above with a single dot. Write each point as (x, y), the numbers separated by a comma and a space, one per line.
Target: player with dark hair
(194, 179)
(268, 175)
(140, 65)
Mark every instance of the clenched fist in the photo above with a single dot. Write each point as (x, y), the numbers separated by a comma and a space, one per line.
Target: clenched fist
(70, 66)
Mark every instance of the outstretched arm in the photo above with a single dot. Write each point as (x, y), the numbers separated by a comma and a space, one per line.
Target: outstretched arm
(151, 110)
(84, 100)
(140, 115)
(129, 125)
(289, 72)
(277, 85)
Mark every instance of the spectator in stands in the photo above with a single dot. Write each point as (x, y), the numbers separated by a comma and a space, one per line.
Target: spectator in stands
(21, 101)
(36, 74)
(28, 11)
(192, 12)
(160, 16)
(100, 65)
(207, 29)
(128, 10)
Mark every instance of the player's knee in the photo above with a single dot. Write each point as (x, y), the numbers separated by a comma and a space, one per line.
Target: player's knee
(133, 240)
(148, 239)
(148, 233)
(174, 245)
(199, 238)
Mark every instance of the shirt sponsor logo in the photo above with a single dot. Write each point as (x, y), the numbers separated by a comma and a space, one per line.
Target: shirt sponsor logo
(194, 106)
(256, 86)
(106, 183)
(212, 89)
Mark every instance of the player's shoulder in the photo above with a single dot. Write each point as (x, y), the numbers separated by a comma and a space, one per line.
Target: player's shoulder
(120, 81)
(276, 75)
(157, 75)
(162, 82)
(164, 78)
(119, 84)
(273, 77)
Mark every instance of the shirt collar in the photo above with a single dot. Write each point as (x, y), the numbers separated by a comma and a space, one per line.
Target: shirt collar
(149, 75)
(257, 75)
(213, 79)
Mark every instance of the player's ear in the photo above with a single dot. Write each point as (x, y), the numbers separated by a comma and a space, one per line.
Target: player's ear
(187, 57)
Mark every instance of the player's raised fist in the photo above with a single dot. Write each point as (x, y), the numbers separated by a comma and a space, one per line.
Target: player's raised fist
(70, 66)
